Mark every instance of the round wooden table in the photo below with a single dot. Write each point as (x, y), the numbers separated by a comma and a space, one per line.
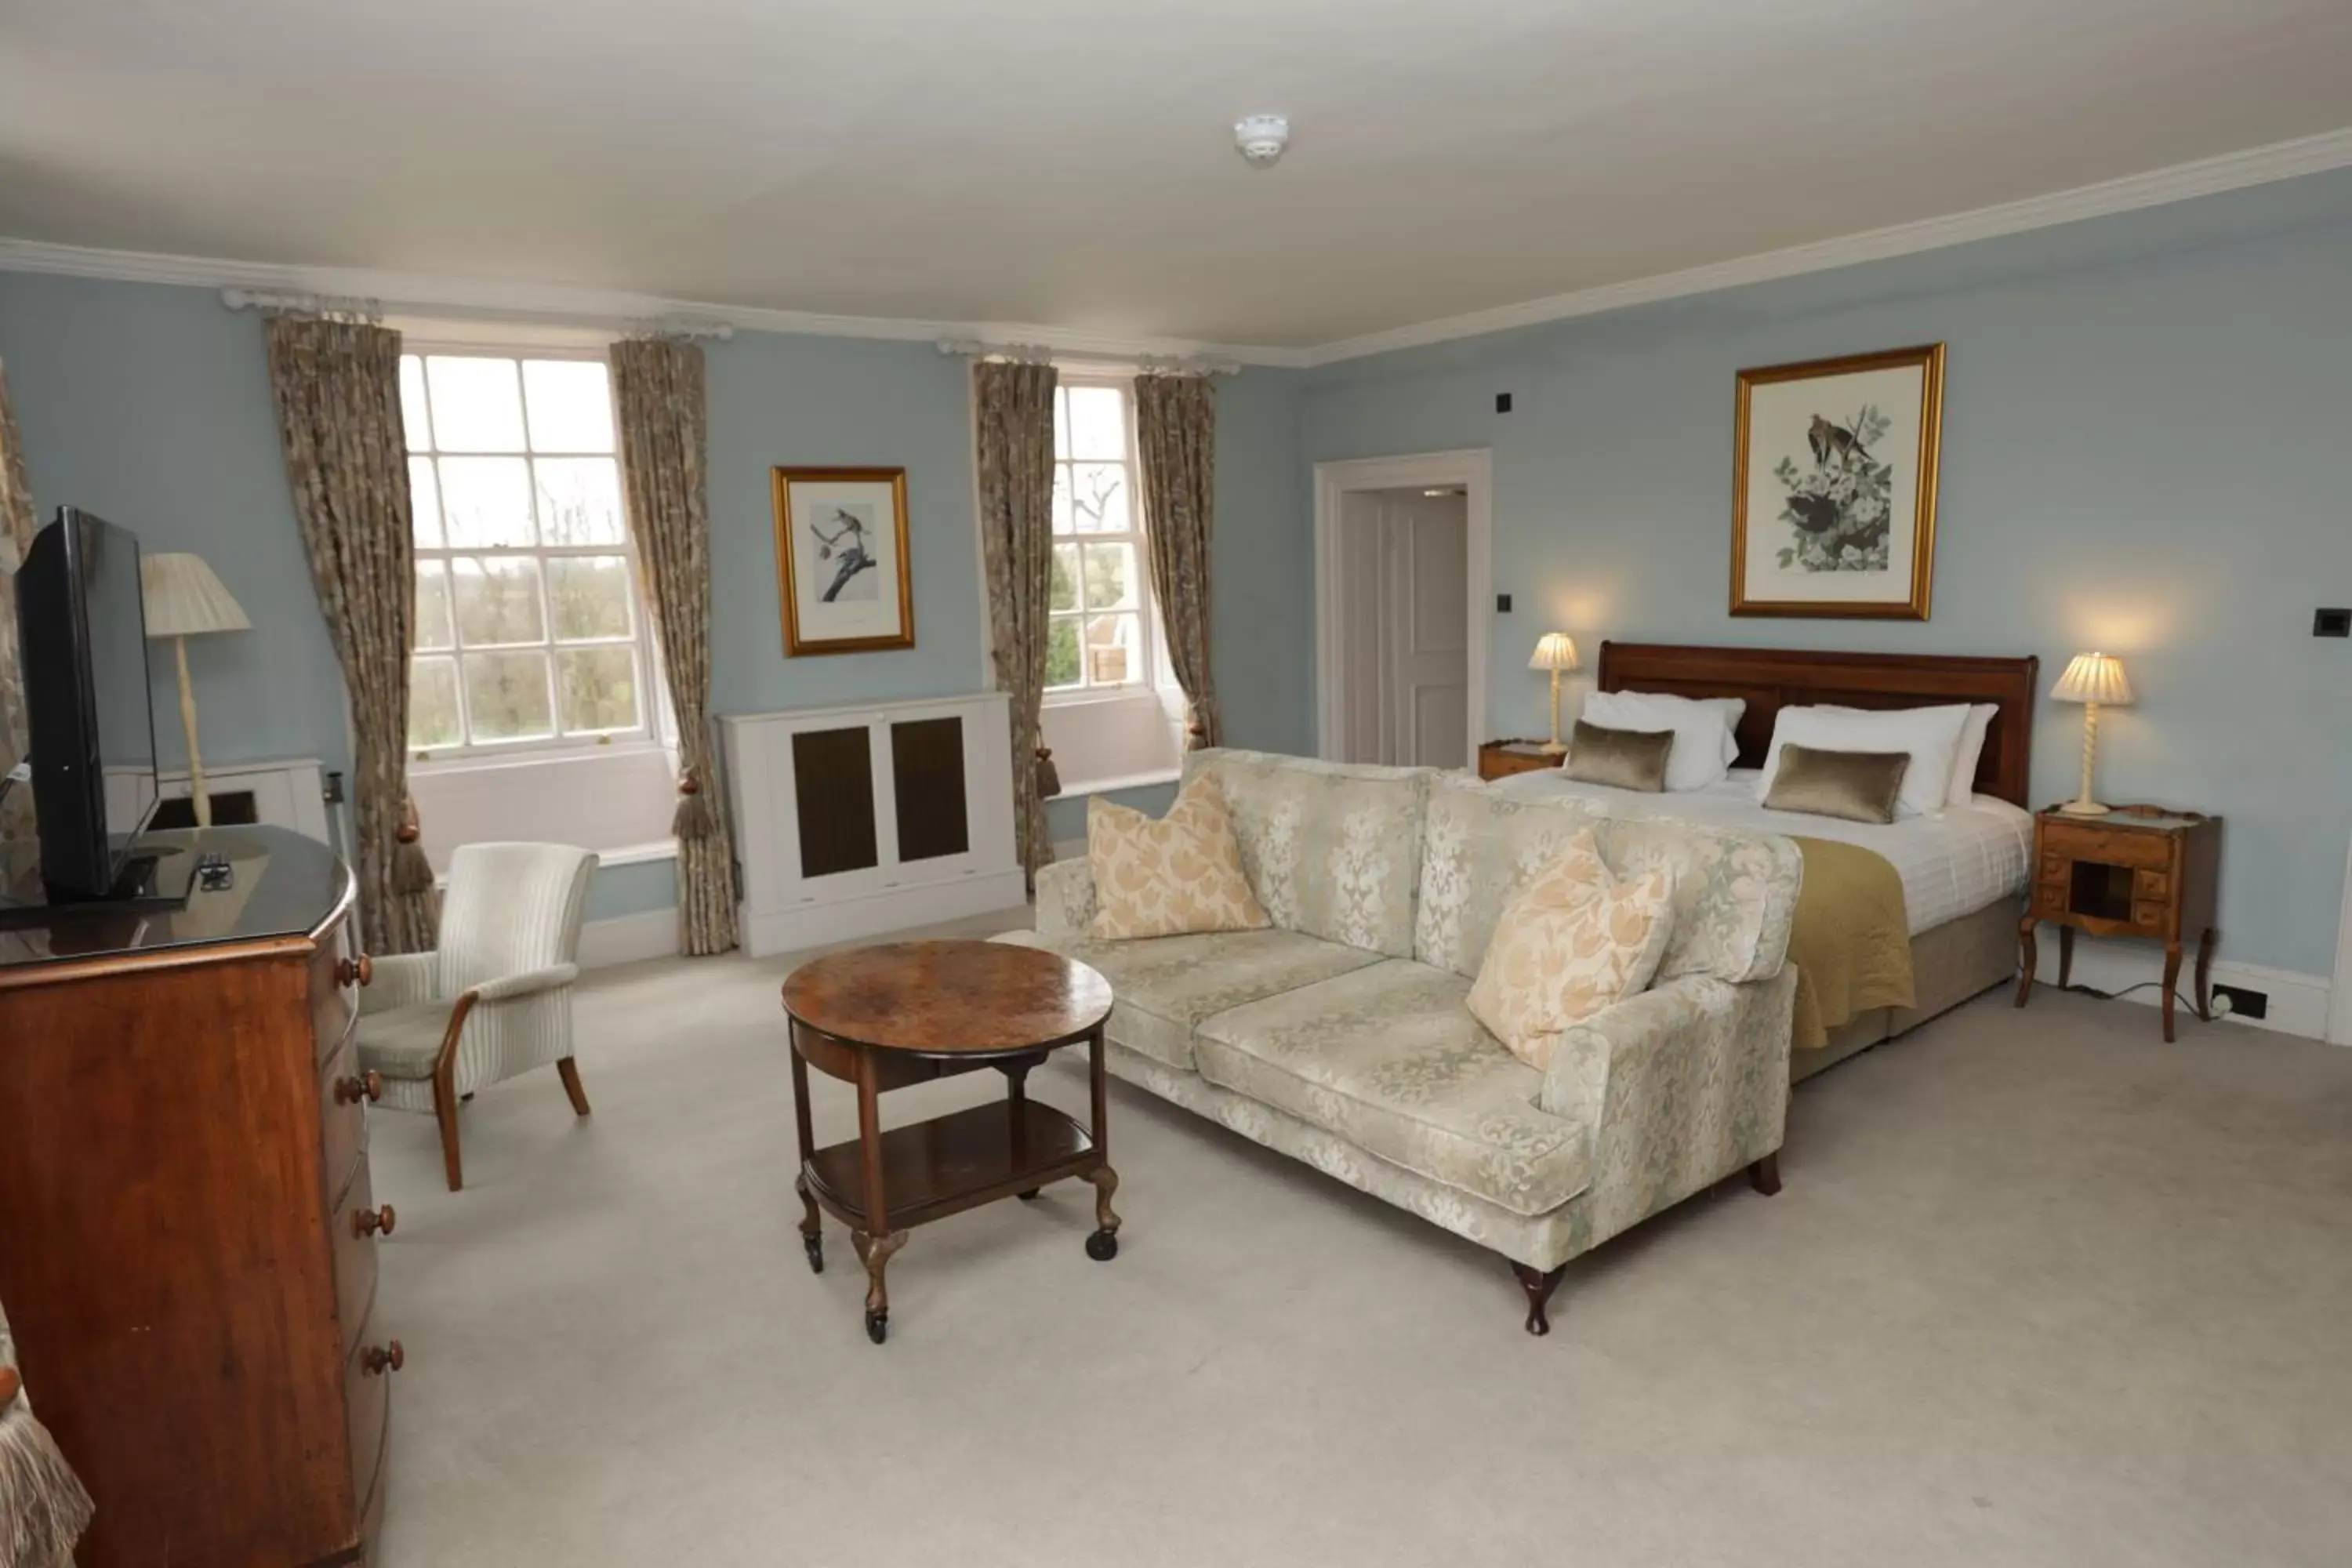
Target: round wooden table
(905, 1013)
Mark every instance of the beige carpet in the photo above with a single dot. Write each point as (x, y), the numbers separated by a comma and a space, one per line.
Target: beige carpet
(2039, 1289)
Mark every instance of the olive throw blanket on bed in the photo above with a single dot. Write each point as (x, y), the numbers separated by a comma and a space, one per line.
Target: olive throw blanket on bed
(1850, 939)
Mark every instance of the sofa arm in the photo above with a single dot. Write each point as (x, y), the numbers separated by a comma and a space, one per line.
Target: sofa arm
(1682, 1086)
(1065, 897)
(400, 980)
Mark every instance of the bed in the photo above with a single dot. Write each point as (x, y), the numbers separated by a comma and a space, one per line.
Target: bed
(1963, 874)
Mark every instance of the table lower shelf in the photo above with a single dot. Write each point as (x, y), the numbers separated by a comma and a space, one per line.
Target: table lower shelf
(952, 1163)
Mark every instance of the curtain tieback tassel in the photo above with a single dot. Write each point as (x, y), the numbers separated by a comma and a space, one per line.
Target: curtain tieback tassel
(411, 872)
(1049, 777)
(695, 818)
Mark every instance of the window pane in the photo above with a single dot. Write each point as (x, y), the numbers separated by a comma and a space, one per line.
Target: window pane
(486, 501)
(599, 688)
(413, 418)
(433, 607)
(477, 405)
(497, 600)
(1062, 523)
(1114, 656)
(1065, 594)
(433, 702)
(589, 597)
(506, 695)
(424, 503)
(579, 500)
(571, 411)
(1097, 422)
(1061, 652)
(1098, 496)
(1110, 577)
(1061, 422)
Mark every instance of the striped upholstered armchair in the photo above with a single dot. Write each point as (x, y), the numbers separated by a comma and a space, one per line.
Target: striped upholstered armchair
(494, 999)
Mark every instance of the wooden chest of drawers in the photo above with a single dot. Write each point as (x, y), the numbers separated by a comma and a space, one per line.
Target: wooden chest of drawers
(189, 1251)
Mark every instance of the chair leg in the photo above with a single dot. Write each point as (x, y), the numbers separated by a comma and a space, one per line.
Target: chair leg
(1538, 1286)
(1764, 1175)
(570, 1071)
(445, 1112)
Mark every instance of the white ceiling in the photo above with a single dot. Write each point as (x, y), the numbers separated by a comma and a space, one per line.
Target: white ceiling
(1070, 163)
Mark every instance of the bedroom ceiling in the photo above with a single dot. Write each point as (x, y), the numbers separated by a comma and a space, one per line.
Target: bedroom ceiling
(1072, 165)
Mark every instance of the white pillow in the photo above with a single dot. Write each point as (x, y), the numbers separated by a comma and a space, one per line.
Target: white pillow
(1964, 761)
(1704, 748)
(1929, 735)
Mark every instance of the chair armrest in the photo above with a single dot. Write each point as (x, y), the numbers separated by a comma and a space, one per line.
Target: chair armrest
(507, 987)
(1065, 897)
(1682, 1086)
(400, 980)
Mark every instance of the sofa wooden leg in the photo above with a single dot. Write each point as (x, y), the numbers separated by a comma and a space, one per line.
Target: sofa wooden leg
(570, 1072)
(1538, 1286)
(1764, 1175)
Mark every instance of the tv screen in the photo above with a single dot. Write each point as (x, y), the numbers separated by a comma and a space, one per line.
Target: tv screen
(83, 625)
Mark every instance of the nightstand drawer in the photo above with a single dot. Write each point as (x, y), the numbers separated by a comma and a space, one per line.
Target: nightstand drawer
(2109, 847)
(2156, 917)
(2155, 886)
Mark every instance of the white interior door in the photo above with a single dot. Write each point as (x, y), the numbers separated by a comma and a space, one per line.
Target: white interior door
(1402, 569)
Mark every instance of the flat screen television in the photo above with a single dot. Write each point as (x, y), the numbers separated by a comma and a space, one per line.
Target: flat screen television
(83, 625)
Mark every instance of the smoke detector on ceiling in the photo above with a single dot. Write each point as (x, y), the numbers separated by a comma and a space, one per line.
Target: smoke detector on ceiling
(1261, 138)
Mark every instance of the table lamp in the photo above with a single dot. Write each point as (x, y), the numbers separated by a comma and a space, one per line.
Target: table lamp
(2091, 679)
(1555, 652)
(184, 599)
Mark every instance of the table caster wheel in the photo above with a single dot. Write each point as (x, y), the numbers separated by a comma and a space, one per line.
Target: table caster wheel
(814, 1247)
(1102, 1246)
(1028, 1197)
(877, 1326)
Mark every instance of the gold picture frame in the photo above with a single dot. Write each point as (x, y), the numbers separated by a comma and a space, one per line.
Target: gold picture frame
(843, 579)
(1848, 533)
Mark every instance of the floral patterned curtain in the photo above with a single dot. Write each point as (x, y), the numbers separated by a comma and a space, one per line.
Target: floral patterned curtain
(336, 385)
(664, 444)
(16, 526)
(1176, 436)
(1013, 407)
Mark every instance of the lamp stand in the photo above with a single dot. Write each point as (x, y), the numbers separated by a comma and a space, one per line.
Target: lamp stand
(204, 802)
(1553, 747)
(2083, 805)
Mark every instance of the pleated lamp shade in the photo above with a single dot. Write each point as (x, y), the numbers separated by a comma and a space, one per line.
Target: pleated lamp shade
(1557, 650)
(2093, 678)
(184, 599)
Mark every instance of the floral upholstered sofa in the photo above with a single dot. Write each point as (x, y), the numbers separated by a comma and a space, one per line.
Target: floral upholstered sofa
(1340, 1035)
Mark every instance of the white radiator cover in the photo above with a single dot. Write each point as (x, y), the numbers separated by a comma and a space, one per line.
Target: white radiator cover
(784, 908)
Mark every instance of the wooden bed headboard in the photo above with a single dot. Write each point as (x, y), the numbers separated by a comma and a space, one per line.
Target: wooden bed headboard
(1773, 678)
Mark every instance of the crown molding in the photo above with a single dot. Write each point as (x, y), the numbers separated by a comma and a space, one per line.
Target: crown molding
(425, 294)
(2205, 177)
(414, 294)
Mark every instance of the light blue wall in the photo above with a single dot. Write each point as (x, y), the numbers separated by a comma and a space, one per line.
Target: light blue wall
(2145, 425)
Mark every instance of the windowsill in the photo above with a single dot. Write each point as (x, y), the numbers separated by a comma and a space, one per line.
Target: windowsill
(1128, 781)
(485, 759)
(1102, 695)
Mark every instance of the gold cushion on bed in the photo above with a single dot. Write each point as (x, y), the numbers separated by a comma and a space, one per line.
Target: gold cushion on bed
(1858, 786)
(1622, 759)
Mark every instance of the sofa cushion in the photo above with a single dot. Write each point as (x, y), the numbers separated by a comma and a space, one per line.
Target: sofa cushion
(1162, 986)
(1390, 1060)
(1178, 875)
(1331, 849)
(1575, 941)
(1734, 892)
(1479, 848)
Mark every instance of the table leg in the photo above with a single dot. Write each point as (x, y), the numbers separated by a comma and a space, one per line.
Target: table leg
(1103, 1245)
(1016, 1107)
(877, 1242)
(2205, 975)
(2025, 955)
(2065, 956)
(2172, 977)
(812, 1226)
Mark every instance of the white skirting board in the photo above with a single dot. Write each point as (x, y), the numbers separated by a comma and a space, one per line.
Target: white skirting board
(625, 939)
(2298, 1003)
(816, 924)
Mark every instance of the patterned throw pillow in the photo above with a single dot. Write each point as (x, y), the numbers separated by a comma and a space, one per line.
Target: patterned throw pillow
(1179, 874)
(1575, 941)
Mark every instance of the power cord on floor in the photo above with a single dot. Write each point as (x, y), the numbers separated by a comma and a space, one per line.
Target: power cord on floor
(2221, 1009)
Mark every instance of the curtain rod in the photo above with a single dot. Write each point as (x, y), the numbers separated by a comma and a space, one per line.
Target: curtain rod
(272, 303)
(1046, 354)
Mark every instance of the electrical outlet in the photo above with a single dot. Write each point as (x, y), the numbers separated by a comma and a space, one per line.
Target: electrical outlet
(1502, 403)
(1502, 604)
(2331, 623)
(2245, 1003)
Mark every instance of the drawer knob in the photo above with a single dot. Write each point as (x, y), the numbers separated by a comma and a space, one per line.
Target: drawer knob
(351, 1090)
(357, 971)
(370, 1222)
(377, 1360)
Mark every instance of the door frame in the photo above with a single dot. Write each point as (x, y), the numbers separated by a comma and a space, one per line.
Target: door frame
(1472, 469)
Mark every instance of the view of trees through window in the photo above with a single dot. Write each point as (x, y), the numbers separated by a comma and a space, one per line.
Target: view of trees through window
(527, 618)
(1098, 634)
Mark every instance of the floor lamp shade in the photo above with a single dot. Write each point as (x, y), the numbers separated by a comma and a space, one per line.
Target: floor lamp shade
(183, 599)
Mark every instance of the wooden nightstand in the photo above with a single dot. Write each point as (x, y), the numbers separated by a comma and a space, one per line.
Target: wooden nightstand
(2141, 871)
(1501, 759)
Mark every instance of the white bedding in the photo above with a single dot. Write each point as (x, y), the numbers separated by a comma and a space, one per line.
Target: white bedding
(1953, 864)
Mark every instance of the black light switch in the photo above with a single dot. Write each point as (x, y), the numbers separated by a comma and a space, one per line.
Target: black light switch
(1502, 604)
(1502, 403)
(2331, 623)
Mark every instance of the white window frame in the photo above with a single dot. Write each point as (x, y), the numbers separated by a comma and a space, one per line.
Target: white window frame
(1151, 644)
(655, 728)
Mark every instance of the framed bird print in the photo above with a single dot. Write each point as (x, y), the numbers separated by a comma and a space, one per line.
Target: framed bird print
(841, 560)
(1834, 492)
